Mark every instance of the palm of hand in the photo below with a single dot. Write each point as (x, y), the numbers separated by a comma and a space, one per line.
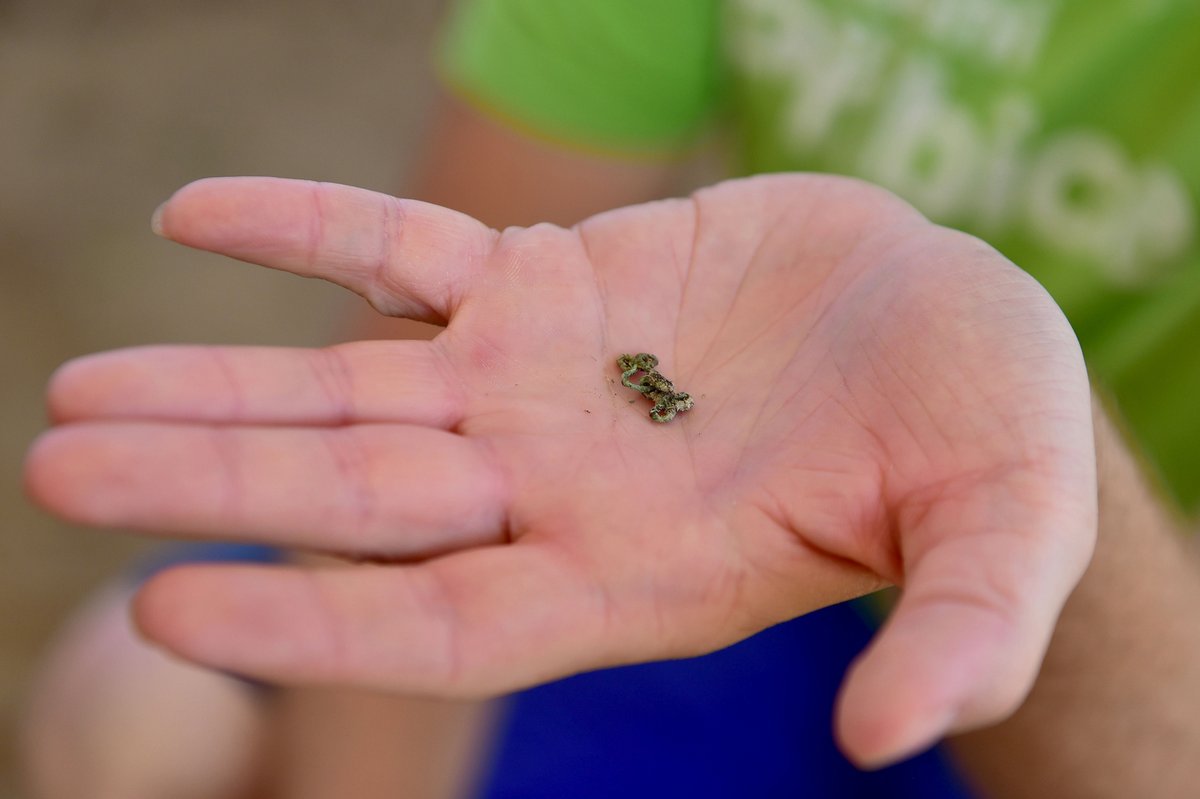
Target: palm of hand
(878, 400)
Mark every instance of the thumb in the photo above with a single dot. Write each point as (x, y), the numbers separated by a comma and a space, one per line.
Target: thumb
(987, 571)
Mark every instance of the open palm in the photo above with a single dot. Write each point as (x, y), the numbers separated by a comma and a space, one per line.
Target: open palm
(877, 401)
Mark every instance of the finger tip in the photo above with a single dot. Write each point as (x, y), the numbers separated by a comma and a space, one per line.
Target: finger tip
(156, 605)
(83, 387)
(165, 220)
(36, 483)
(83, 473)
(170, 220)
(184, 611)
(57, 479)
(909, 690)
(893, 705)
(876, 736)
(238, 618)
(230, 215)
(63, 401)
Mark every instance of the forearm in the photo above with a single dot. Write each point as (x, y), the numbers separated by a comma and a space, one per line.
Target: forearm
(1113, 711)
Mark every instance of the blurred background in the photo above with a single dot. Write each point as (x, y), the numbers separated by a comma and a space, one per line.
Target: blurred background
(106, 107)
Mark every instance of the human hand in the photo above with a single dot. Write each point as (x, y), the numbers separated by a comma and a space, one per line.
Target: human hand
(878, 400)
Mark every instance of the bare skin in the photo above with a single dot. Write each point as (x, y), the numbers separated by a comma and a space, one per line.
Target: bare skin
(1110, 715)
(890, 402)
(1088, 728)
(504, 178)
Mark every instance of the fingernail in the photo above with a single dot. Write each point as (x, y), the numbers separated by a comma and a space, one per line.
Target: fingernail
(257, 687)
(156, 221)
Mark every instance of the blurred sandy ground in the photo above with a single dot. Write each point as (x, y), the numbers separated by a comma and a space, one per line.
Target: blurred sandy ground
(106, 106)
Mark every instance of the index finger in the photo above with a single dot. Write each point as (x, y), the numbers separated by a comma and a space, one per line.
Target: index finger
(406, 257)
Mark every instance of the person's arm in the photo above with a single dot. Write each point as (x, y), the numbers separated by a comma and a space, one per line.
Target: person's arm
(502, 177)
(1113, 712)
(1106, 714)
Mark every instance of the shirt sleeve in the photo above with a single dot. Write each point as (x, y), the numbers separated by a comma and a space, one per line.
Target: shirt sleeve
(623, 75)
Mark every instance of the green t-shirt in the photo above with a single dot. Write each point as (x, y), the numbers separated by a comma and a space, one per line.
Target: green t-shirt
(1064, 132)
